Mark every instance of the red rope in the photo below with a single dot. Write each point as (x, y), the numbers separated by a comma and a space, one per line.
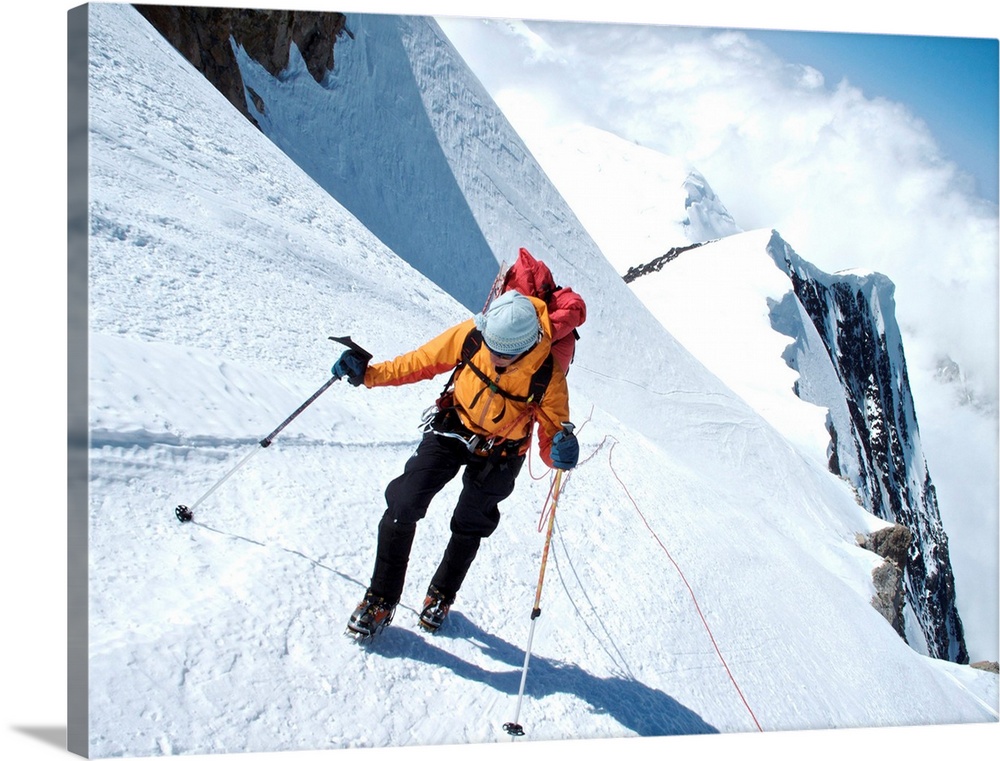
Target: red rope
(694, 599)
(547, 506)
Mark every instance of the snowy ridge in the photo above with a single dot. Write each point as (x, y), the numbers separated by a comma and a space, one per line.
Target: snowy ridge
(839, 391)
(218, 269)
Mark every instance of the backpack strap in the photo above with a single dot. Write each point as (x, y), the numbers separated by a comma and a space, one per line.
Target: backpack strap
(540, 380)
(536, 388)
(470, 346)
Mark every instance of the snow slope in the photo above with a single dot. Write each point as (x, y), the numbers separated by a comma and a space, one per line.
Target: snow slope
(726, 321)
(218, 269)
(635, 202)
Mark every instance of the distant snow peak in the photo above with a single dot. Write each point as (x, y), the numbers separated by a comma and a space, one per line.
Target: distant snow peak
(948, 372)
(707, 217)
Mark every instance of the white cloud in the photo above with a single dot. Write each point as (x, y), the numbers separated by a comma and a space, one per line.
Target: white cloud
(849, 181)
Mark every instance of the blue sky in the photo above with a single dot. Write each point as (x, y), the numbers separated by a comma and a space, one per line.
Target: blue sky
(949, 82)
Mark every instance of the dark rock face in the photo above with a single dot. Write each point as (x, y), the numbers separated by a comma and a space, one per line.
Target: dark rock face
(204, 36)
(854, 314)
(656, 264)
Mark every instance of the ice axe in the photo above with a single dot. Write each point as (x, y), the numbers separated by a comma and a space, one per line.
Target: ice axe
(185, 513)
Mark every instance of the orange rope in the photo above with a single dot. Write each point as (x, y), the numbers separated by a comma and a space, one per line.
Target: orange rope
(694, 599)
(552, 500)
(549, 505)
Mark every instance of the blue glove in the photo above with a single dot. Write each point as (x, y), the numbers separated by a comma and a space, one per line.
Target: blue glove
(565, 450)
(352, 366)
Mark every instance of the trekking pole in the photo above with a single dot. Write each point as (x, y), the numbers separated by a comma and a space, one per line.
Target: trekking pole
(185, 513)
(512, 727)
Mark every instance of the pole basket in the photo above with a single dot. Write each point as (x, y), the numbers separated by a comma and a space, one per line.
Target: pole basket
(183, 513)
(514, 729)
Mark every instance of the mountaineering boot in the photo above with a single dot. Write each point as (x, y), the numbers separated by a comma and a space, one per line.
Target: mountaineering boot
(435, 610)
(372, 615)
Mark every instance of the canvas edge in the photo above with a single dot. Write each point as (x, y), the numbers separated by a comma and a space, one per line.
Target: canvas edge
(77, 730)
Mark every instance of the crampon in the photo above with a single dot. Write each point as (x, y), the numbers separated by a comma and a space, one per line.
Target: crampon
(371, 616)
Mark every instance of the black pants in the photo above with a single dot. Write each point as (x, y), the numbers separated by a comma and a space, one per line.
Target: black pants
(485, 483)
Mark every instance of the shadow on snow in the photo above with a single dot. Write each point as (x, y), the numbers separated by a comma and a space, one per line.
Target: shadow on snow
(641, 709)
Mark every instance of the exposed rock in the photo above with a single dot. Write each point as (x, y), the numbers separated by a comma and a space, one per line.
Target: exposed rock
(878, 438)
(893, 544)
(204, 37)
(657, 264)
(987, 666)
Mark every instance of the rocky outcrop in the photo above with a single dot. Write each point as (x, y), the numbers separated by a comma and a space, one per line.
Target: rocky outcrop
(204, 36)
(893, 544)
(992, 666)
(657, 264)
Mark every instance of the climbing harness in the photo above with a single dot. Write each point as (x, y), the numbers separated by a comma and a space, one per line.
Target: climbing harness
(442, 417)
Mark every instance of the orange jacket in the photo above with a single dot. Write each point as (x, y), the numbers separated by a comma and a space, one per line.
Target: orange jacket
(490, 414)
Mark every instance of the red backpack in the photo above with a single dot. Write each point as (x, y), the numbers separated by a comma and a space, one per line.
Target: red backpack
(567, 309)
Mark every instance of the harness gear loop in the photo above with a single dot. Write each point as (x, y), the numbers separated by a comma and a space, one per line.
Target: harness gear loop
(442, 417)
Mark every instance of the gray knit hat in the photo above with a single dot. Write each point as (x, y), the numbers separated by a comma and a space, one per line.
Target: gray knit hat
(510, 325)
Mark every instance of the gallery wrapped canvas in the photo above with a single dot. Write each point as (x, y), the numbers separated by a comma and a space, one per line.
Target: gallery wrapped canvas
(758, 536)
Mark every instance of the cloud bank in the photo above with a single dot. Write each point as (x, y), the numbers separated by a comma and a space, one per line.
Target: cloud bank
(849, 180)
